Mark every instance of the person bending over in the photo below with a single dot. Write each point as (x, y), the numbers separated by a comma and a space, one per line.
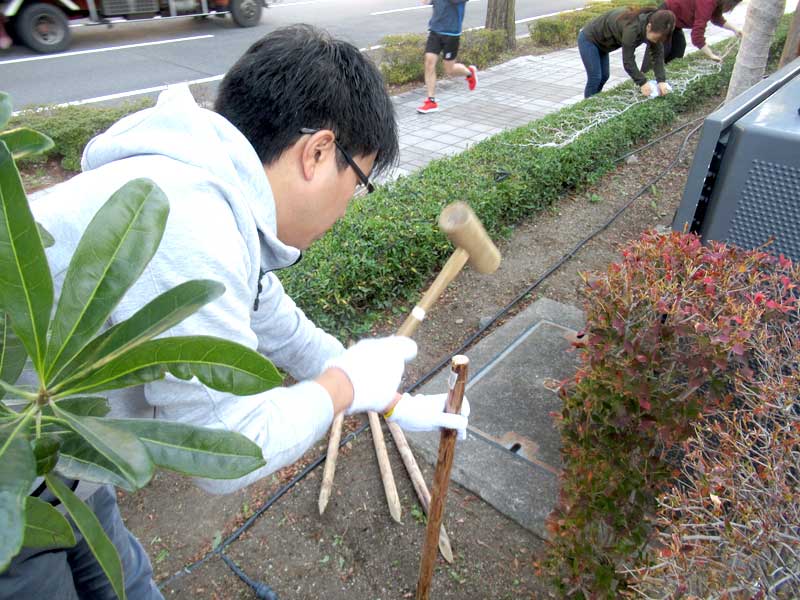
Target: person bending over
(627, 29)
(695, 14)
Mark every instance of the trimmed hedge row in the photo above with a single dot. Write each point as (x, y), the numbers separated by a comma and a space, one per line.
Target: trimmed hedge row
(387, 246)
(71, 128)
(402, 58)
(562, 30)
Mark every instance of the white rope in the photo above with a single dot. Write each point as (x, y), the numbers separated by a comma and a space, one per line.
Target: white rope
(616, 105)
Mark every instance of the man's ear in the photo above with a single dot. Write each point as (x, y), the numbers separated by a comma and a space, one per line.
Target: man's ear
(318, 148)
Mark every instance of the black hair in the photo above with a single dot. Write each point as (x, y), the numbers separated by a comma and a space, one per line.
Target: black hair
(661, 21)
(300, 76)
(724, 6)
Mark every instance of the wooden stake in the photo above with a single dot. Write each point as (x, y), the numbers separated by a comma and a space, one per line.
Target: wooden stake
(441, 478)
(387, 477)
(330, 462)
(419, 485)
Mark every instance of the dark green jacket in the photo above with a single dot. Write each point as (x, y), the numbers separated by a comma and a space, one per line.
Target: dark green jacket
(608, 34)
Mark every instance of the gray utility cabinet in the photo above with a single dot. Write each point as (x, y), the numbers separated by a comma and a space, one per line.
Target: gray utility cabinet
(744, 183)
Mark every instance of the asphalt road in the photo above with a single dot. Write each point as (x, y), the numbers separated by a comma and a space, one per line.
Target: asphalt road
(130, 59)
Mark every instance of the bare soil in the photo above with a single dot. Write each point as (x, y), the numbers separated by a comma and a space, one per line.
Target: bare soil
(356, 550)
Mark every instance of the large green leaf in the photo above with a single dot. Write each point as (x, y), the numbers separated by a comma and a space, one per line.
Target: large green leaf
(23, 142)
(197, 451)
(12, 354)
(45, 527)
(26, 287)
(87, 523)
(219, 364)
(122, 449)
(78, 460)
(5, 109)
(47, 239)
(45, 451)
(156, 317)
(90, 406)
(111, 255)
(17, 472)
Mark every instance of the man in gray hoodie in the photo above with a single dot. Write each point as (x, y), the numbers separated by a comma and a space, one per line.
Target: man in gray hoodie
(299, 122)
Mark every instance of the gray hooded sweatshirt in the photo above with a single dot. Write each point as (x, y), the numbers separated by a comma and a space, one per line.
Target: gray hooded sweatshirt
(221, 226)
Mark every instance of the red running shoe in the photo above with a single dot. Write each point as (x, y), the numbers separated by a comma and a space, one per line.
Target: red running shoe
(428, 106)
(472, 78)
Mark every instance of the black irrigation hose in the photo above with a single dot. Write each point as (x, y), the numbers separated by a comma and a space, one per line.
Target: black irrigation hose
(262, 590)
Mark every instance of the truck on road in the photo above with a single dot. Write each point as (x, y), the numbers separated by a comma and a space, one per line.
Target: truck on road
(44, 25)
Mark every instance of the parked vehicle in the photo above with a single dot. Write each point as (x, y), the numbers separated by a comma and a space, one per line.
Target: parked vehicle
(44, 26)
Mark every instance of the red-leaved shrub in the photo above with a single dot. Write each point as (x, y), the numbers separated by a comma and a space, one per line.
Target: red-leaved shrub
(674, 330)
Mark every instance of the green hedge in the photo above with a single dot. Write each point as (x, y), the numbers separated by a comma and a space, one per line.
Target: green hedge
(71, 128)
(387, 246)
(562, 30)
(402, 59)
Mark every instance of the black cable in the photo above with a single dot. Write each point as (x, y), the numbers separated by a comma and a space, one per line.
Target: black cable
(261, 588)
(264, 507)
(658, 139)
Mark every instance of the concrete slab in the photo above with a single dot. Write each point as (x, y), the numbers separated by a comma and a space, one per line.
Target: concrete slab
(511, 456)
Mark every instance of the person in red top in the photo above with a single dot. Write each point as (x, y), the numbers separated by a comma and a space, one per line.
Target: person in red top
(695, 14)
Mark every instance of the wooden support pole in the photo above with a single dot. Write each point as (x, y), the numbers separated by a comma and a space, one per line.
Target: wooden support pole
(441, 478)
(330, 462)
(389, 487)
(419, 485)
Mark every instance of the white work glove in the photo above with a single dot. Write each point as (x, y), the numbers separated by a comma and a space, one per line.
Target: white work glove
(374, 367)
(654, 89)
(426, 413)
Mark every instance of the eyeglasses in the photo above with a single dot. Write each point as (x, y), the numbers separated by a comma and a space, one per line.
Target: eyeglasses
(365, 187)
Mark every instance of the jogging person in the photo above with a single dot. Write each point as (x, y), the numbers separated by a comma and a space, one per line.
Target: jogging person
(444, 36)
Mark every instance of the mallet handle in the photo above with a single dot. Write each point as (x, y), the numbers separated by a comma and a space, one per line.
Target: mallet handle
(441, 478)
(449, 272)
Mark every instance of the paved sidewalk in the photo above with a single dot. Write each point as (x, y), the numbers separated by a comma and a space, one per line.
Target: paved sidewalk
(508, 95)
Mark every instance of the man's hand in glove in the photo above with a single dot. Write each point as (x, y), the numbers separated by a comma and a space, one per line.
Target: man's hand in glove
(426, 413)
(374, 368)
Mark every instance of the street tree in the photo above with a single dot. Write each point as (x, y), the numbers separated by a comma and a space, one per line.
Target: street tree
(759, 27)
(500, 14)
(791, 49)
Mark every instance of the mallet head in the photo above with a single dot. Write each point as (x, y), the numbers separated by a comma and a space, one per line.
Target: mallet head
(464, 229)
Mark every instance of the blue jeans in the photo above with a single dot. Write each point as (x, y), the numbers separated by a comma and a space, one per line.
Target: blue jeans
(595, 61)
(73, 573)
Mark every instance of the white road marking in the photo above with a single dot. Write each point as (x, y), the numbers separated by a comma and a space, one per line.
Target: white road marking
(397, 10)
(109, 49)
(150, 90)
(547, 15)
(282, 4)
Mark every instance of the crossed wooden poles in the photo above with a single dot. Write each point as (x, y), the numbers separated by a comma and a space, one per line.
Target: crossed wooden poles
(473, 245)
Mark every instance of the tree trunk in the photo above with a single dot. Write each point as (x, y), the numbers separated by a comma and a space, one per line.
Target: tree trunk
(759, 27)
(791, 49)
(500, 15)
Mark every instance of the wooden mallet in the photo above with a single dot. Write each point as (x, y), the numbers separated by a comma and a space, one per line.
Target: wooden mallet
(473, 245)
(463, 228)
